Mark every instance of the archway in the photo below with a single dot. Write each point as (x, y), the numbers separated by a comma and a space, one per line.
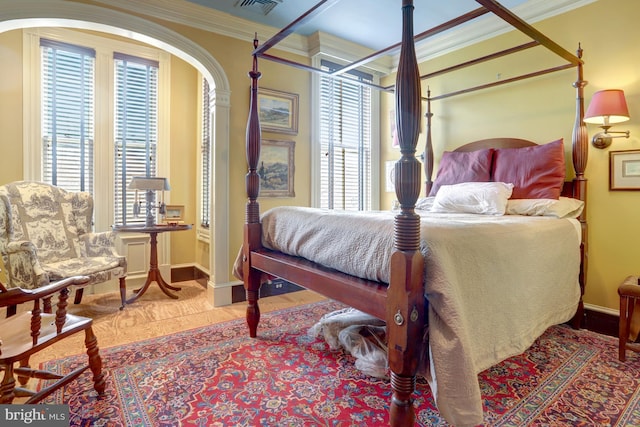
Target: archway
(54, 13)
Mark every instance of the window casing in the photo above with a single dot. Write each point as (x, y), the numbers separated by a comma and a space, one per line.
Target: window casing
(205, 156)
(136, 124)
(345, 140)
(67, 115)
(103, 158)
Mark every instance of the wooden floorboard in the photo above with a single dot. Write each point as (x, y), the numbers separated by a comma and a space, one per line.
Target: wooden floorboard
(154, 314)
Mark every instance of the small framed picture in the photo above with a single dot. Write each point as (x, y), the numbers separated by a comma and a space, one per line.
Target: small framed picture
(624, 170)
(390, 173)
(278, 111)
(174, 214)
(277, 168)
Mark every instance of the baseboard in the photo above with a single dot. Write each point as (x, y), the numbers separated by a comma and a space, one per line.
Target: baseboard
(274, 287)
(189, 272)
(268, 289)
(601, 322)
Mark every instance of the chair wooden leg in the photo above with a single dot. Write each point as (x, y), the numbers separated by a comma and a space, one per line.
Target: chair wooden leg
(78, 297)
(95, 362)
(623, 328)
(627, 305)
(8, 385)
(123, 292)
(12, 310)
(23, 380)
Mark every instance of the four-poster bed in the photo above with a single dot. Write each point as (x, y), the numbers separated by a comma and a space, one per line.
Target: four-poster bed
(401, 296)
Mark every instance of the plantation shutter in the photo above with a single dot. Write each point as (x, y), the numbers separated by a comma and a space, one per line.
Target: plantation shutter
(136, 129)
(206, 155)
(67, 115)
(345, 140)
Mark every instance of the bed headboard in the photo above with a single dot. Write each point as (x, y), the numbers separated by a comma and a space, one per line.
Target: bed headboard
(567, 189)
(495, 143)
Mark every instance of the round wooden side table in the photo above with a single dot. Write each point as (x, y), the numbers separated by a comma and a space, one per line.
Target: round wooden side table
(154, 272)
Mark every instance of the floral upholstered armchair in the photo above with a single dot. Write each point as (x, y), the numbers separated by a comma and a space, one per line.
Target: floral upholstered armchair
(46, 235)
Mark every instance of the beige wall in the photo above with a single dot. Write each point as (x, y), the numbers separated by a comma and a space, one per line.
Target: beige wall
(543, 109)
(184, 156)
(235, 58)
(11, 106)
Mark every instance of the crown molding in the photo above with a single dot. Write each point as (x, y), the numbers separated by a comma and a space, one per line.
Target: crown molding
(488, 27)
(335, 47)
(194, 15)
(207, 19)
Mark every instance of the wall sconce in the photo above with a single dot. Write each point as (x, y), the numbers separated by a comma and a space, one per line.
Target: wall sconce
(606, 108)
(149, 185)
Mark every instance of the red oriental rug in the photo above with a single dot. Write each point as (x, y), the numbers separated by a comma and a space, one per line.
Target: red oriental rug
(218, 376)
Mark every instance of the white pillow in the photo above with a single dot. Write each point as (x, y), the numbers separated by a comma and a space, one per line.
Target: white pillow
(487, 198)
(425, 203)
(564, 207)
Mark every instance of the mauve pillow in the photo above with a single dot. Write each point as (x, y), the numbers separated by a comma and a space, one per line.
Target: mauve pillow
(537, 172)
(458, 167)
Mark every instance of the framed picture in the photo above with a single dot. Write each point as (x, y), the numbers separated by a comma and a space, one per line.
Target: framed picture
(278, 111)
(174, 214)
(624, 170)
(390, 174)
(276, 168)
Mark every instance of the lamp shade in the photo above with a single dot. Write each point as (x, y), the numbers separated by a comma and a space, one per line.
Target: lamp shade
(607, 107)
(149, 183)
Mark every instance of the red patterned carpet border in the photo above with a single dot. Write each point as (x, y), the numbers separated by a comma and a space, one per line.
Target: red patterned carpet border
(217, 376)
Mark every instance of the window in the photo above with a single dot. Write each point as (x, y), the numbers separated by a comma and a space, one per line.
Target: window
(67, 115)
(345, 140)
(99, 117)
(136, 136)
(205, 156)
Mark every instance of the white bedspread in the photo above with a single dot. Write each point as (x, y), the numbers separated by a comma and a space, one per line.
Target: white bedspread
(494, 283)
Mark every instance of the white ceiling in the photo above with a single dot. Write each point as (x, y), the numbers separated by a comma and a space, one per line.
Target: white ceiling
(371, 23)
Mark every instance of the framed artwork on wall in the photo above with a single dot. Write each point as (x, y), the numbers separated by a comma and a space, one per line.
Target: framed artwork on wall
(278, 111)
(174, 214)
(390, 176)
(276, 168)
(624, 170)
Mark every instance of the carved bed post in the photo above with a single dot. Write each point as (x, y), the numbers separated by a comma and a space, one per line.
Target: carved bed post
(252, 228)
(405, 301)
(580, 151)
(428, 149)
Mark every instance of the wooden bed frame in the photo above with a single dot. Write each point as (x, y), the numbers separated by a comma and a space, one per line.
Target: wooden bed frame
(401, 303)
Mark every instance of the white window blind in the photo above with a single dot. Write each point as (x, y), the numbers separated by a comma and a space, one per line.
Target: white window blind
(345, 140)
(67, 115)
(206, 155)
(136, 129)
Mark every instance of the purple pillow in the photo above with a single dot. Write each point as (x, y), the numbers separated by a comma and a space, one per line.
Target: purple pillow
(537, 172)
(457, 167)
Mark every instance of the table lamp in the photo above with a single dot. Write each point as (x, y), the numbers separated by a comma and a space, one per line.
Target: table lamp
(150, 185)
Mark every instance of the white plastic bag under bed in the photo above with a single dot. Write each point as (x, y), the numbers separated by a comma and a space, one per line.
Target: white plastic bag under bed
(362, 335)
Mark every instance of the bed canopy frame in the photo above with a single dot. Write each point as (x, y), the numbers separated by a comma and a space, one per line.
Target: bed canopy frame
(402, 303)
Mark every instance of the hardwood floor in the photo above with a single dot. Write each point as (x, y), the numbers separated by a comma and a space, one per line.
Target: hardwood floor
(155, 314)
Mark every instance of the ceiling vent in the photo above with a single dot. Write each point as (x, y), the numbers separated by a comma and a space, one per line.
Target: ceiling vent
(259, 6)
